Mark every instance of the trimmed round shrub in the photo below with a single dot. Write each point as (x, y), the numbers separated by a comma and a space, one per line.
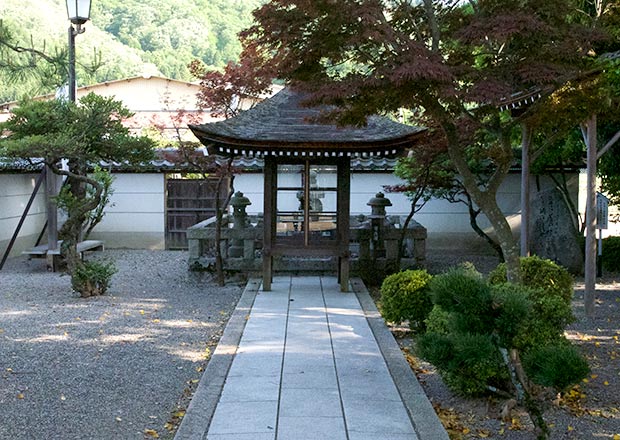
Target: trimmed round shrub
(467, 296)
(550, 289)
(540, 273)
(559, 365)
(405, 297)
(611, 254)
(513, 312)
(468, 363)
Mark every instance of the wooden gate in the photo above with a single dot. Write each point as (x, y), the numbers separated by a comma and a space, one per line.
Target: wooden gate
(188, 201)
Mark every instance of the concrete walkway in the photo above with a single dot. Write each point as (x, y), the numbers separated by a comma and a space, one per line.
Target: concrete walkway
(305, 361)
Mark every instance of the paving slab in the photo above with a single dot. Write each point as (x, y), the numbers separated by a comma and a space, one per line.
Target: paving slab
(310, 363)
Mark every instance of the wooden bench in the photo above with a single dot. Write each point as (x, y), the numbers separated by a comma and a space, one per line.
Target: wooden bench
(42, 251)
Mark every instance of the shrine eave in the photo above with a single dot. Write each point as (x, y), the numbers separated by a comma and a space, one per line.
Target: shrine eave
(283, 126)
(252, 148)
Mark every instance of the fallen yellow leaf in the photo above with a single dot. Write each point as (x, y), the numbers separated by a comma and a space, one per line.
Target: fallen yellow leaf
(570, 428)
(616, 437)
(151, 433)
(605, 383)
(20, 396)
(594, 376)
(142, 312)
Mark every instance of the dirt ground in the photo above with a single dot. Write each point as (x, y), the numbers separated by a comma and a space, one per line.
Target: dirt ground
(591, 410)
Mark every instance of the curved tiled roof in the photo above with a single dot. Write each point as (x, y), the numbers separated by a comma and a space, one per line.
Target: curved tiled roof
(281, 125)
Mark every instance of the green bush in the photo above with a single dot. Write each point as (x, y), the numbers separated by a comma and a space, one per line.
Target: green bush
(438, 321)
(92, 278)
(468, 363)
(611, 254)
(551, 292)
(513, 312)
(405, 297)
(473, 321)
(542, 274)
(465, 294)
(559, 365)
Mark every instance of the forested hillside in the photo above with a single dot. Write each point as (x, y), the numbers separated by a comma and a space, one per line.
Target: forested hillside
(125, 38)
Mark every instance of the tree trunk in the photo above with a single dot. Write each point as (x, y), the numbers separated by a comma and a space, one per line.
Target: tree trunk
(507, 242)
(486, 198)
(72, 229)
(473, 222)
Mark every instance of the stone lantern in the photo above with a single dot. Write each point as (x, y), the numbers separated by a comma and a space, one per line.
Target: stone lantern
(238, 203)
(377, 219)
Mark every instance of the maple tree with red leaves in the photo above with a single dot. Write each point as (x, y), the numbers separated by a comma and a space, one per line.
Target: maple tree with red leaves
(238, 87)
(454, 62)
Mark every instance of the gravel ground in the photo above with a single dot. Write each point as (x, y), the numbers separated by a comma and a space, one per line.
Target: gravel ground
(119, 366)
(590, 411)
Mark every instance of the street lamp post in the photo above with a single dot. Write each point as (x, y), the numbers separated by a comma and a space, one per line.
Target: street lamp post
(78, 12)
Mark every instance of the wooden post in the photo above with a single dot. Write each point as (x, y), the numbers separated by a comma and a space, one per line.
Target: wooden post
(51, 187)
(526, 136)
(343, 219)
(269, 217)
(590, 263)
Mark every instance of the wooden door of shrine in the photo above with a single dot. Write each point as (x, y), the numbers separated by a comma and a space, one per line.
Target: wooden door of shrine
(307, 211)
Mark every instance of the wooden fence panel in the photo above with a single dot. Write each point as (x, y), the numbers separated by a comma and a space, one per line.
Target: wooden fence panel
(188, 201)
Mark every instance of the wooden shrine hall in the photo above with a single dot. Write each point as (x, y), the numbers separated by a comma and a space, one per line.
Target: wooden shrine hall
(306, 172)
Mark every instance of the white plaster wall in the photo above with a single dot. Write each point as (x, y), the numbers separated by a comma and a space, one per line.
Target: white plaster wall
(136, 218)
(15, 191)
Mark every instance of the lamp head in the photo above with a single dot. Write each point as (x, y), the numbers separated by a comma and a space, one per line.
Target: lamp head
(78, 11)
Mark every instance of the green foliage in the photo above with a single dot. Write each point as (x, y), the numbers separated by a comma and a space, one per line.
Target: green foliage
(404, 297)
(122, 39)
(469, 363)
(463, 292)
(84, 133)
(513, 310)
(553, 279)
(87, 132)
(92, 278)
(550, 292)
(473, 321)
(438, 321)
(559, 365)
(611, 254)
